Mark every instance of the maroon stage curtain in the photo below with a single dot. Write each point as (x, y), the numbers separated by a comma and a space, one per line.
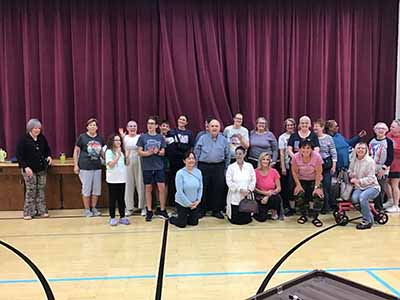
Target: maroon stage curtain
(65, 61)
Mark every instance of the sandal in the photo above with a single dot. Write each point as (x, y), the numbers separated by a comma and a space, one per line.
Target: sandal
(317, 222)
(302, 220)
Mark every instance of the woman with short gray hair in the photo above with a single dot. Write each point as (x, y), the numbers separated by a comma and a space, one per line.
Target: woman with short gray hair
(34, 157)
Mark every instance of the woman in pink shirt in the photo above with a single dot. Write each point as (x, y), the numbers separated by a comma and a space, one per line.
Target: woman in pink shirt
(394, 174)
(267, 189)
(307, 175)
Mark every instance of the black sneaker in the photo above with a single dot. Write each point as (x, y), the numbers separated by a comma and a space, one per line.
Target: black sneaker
(162, 214)
(364, 225)
(290, 212)
(149, 215)
(218, 215)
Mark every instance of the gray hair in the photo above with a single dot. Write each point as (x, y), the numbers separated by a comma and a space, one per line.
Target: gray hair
(33, 123)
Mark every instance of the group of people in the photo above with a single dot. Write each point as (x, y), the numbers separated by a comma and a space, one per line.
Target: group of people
(215, 171)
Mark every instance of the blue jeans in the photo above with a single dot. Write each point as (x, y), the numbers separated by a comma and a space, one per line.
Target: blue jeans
(362, 197)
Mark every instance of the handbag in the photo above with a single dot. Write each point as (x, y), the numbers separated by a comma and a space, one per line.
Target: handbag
(328, 162)
(248, 204)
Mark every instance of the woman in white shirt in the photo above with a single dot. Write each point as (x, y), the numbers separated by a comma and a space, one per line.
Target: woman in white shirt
(134, 177)
(116, 178)
(241, 180)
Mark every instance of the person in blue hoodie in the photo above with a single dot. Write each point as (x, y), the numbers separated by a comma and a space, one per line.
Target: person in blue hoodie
(342, 144)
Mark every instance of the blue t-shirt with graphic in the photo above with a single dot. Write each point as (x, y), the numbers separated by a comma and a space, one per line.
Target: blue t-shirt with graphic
(147, 142)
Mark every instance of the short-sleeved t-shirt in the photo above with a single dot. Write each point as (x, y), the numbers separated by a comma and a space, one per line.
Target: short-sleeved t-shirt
(307, 170)
(395, 166)
(295, 140)
(266, 182)
(282, 145)
(116, 174)
(90, 151)
(147, 141)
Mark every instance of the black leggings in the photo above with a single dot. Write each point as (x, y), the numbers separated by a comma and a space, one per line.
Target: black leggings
(274, 202)
(186, 216)
(237, 217)
(116, 193)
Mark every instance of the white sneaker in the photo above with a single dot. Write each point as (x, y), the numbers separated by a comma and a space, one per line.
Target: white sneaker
(393, 209)
(144, 212)
(387, 204)
(128, 212)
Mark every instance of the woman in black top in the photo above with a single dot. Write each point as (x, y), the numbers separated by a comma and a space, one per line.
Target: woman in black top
(304, 133)
(34, 157)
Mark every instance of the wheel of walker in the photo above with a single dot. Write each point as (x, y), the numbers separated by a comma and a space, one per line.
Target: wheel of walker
(343, 220)
(336, 213)
(383, 218)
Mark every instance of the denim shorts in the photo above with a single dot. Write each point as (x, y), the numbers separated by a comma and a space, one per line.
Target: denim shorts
(153, 176)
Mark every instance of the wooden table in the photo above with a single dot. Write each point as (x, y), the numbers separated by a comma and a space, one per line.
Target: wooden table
(63, 187)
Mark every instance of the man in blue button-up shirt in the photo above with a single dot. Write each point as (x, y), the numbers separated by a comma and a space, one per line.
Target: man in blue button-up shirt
(212, 152)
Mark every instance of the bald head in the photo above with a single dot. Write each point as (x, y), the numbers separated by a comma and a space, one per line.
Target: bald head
(214, 127)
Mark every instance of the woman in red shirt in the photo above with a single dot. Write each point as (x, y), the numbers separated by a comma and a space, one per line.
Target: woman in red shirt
(394, 173)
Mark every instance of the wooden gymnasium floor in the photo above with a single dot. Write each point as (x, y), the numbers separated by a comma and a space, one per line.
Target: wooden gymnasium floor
(87, 259)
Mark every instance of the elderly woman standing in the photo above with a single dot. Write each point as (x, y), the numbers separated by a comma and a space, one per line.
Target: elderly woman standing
(262, 140)
(34, 156)
(286, 180)
(329, 157)
(381, 151)
(241, 180)
(366, 186)
(394, 174)
(87, 163)
(303, 133)
(134, 177)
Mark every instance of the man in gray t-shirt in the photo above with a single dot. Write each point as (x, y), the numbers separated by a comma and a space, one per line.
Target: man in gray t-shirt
(236, 134)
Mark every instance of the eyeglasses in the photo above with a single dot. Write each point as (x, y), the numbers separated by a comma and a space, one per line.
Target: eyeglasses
(239, 119)
(261, 123)
(380, 128)
(117, 140)
(151, 123)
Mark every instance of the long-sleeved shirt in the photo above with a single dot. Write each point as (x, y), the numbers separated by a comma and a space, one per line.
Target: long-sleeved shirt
(342, 148)
(189, 186)
(381, 152)
(210, 150)
(236, 179)
(33, 154)
(264, 142)
(364, 170)
(327, 147)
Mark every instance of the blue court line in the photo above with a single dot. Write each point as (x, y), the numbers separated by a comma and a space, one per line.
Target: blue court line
(74, 279)
(185, 275)
(384, 283)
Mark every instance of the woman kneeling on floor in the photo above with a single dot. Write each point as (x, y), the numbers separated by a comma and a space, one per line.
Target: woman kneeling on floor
(241, 180)
(307, 175)
(268, 187)
(366, 186)
(189, 189)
